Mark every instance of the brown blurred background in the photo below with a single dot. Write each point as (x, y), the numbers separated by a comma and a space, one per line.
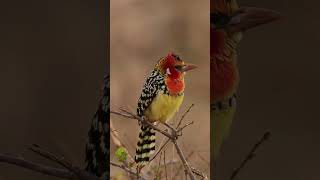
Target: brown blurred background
(141, 33)
(52, 61)
(279, 92)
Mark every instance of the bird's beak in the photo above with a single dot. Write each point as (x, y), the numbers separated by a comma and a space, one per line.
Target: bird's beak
(249, 17)
(188, 67)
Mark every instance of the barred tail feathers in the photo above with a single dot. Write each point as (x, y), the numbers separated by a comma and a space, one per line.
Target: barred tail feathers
(145, 146)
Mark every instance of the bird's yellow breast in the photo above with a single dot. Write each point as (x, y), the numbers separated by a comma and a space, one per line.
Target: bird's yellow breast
(163, 107)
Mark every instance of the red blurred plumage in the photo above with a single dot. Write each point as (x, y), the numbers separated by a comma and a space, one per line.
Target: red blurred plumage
(223, 74)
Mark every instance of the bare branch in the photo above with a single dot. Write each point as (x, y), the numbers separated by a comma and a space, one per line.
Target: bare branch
(127, 170)
(199, 173)
(184, 161)
(178, 171)
(78, 173)
(251, 155)
(184, 115)
(44, 169)
(173, 136)
(186, 125)
(160, 149)
(18, 161)
(159, 164)
(46, 154)
(165, 164)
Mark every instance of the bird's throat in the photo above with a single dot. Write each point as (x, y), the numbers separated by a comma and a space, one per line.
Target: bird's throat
(175, 86)
(224, 79)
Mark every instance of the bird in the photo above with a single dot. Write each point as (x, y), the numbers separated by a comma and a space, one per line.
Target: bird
(161, 97)
(228, 22)
(97, 149)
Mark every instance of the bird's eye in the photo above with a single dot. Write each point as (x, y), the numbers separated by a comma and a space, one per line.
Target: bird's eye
(178, 67)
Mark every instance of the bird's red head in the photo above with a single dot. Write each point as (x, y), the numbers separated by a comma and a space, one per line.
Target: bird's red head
(173, 68)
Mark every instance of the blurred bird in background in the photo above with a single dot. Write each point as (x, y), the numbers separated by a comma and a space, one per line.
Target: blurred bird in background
(98, 145)
(227, 24)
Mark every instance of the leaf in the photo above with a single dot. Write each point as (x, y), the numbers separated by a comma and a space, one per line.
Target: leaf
(121, 154)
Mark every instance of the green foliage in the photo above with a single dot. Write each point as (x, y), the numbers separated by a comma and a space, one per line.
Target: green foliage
(121, 154)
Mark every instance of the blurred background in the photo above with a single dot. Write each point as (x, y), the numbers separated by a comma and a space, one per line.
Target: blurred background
(141, 33)
(279, 92)
(53, 56)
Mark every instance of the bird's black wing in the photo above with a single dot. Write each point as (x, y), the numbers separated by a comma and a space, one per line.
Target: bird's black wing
(153, 84)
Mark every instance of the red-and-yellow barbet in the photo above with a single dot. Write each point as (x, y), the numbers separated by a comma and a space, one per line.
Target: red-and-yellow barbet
(227, 24)
(161, 97)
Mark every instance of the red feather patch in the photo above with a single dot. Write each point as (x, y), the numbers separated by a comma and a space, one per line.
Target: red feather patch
(223, 76)
(175, 86)
(216, 41)
(223, 73)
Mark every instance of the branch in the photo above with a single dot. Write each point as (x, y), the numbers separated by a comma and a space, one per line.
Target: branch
(44, 169)
(173, 136)
(167, 141)
(184, 161)
(36, 149)
(78, 173)
(18, 161)
(165, 164)
(251, 155)
(199, 173)
(177, 127)
(178, 171)
(184, 115)
(126, 169)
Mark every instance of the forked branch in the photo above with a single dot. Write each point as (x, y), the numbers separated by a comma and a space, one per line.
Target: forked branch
(172, 137)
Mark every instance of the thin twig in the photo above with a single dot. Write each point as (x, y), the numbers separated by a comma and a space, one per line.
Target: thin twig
(165, 164)
(18, 161)
(184, 161)
(203, 159)
(80, 174)
(180, 168)
(48, 170)
(159, 164)
(168, 140)
(116, 140)
(50, 156)
(127, 170)
(184, 115)
(199, 173)
(186, 125)
(251, 155)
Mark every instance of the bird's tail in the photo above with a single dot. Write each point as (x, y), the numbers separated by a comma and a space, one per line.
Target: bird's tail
(145, 146)
(98, 145)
